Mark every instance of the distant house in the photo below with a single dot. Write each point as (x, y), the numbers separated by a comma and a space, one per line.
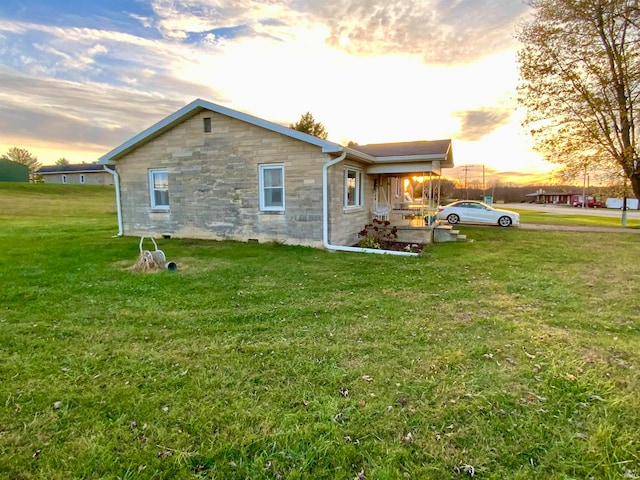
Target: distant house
(211, 172)
(76, 174)
(13, 171)
(554, 198)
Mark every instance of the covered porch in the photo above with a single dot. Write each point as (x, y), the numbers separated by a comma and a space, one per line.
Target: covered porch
(409, 203)
(408, 200)
(406, 184)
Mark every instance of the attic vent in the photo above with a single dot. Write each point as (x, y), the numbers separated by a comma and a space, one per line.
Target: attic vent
(207, 124)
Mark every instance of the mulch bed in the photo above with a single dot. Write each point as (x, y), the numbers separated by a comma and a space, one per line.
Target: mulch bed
(401, 246)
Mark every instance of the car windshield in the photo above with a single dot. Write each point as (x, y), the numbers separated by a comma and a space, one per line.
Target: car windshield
(476, 205)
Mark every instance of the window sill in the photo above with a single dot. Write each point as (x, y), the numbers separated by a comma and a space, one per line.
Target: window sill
(352, 209)
(272, 212)
(160, 210)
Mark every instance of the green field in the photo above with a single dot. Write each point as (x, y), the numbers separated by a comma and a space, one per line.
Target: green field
(564, 216)
(513, 356)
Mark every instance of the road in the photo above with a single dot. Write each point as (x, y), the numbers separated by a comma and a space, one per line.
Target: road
(568, 210)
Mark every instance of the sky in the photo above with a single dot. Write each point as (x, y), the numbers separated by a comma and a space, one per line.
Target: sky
(78, 78)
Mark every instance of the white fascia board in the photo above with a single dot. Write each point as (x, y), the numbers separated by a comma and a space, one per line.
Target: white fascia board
(198, 105)
(70, 172)
(327, 146)
(149, 133)
(409, 167)
(410, 158)
(357, 155)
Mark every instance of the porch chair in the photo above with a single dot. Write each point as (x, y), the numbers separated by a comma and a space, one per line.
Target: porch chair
(381, 210)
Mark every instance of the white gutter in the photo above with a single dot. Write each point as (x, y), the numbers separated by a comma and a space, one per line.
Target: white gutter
(116, 179)
(325, 218)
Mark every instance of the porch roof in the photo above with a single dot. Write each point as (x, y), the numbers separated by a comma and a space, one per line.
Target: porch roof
(404, 157)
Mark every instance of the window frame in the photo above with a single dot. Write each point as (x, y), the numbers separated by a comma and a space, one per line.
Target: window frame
(358, 188)
(397, 186)
(153, 189)
(206, 124)
(82, 178)
(263, 188)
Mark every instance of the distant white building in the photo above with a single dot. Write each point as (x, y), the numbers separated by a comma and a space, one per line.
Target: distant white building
(76, 174)
(632, 203)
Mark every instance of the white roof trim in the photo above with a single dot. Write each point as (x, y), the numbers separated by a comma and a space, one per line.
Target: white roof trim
(67, 172)
(410, 158)
(199, 104)
(408, 167)
(358, 155)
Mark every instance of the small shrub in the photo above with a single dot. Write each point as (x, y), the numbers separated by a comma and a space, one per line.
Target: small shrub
(367, 242)
(379, 232)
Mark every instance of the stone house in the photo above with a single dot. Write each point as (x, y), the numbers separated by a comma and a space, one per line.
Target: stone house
(211, 172)
(76, 174)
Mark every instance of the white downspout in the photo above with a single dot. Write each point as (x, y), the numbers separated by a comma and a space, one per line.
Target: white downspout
(116, 178)
(325, 218)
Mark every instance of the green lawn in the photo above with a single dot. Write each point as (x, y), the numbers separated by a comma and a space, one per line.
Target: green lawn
(567, 217)
(513, 356)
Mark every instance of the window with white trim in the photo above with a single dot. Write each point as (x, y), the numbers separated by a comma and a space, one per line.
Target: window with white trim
(272, 188)
(64, 179)
(159, 189)
(352, 187)
(82, 178)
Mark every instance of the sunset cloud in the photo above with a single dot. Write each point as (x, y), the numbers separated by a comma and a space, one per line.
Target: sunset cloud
(477, 124)
(89, 75)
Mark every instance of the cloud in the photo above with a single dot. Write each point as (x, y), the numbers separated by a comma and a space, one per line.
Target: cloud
(439, 31)
(94, 117)
(229, 19)
(365, 68)
(476, 174)
(476, 124)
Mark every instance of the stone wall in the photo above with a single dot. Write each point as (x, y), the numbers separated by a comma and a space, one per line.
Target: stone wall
(214, 185)
(345, 223)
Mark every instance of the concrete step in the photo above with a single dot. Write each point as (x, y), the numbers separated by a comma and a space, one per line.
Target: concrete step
(446, 233)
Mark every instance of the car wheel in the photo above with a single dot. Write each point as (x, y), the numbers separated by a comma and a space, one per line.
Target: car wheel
(453, 218)
(504, 221)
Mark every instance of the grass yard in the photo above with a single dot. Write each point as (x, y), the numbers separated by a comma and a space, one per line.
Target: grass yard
(513, 356)
(567, 218)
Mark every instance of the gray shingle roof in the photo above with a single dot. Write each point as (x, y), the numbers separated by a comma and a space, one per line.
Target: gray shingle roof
(402, 149)
(71, 168)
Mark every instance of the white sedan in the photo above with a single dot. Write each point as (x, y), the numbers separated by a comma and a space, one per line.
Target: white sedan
(470, 211)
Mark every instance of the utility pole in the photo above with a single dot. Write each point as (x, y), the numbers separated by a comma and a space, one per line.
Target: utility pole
(483, 171)
(466, 192)
(466, 178)
(624, 204)
(584, 187)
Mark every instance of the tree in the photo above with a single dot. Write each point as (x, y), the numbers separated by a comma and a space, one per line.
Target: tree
(62, 161)
(308, 124)
(21, 155)
(580, 83)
